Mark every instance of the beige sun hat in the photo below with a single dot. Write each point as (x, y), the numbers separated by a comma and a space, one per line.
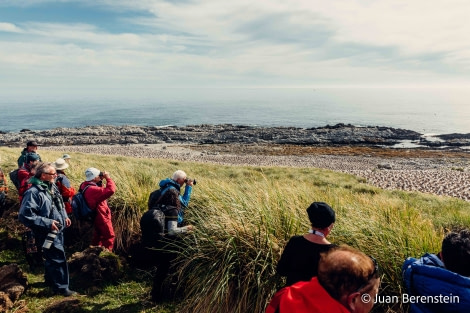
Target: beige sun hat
(60, 164)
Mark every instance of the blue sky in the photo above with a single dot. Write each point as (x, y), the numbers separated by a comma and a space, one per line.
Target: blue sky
(121, 44)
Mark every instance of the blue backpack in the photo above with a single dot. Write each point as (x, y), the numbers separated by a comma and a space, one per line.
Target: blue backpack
(80, 208)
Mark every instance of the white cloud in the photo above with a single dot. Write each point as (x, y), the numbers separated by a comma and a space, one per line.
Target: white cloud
(8, 27)
(303, 42)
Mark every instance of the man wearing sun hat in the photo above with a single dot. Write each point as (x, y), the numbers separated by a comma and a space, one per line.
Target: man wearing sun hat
(31, 147)
(96, 196)
(63, 183)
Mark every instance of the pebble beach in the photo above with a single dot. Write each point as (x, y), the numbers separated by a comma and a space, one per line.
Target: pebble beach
(444, 176)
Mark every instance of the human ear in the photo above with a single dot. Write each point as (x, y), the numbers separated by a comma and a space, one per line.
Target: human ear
(354, 301)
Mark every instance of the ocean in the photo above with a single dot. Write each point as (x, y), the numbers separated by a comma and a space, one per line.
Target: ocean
(425, 110)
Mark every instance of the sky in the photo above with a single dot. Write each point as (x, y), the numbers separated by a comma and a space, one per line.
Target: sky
(122, 44)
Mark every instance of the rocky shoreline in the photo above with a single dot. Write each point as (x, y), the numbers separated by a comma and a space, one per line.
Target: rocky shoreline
(441, 169)
(337, 135)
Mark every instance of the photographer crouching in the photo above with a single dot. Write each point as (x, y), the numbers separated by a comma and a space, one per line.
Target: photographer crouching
(162, 225)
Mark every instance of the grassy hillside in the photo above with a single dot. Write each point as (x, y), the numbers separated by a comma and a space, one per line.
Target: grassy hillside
(243, 218)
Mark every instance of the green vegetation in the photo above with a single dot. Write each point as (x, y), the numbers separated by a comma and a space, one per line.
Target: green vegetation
(243, 218)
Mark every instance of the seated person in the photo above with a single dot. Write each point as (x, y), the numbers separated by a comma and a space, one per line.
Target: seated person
(438, 275)
(345, 276)
(299, 260)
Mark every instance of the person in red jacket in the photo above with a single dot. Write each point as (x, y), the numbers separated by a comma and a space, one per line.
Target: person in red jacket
(63, 183)
(26, 172)
(96, 197)
(347, 282)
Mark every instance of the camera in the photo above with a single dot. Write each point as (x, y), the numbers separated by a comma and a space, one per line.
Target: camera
(50, 237)
(101, 175)
(190, 180)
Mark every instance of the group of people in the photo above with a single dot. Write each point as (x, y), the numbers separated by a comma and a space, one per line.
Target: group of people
(320, 276)
(324, 277)
(45, 195)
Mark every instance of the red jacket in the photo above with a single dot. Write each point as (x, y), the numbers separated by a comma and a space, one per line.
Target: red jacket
(96, 196)
(305, 297)
(24, 174)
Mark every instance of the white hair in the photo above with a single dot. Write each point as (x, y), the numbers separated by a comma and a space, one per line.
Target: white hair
(179, 174)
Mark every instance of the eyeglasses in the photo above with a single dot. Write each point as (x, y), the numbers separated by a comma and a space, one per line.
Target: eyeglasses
(52, 174)
(376, 269)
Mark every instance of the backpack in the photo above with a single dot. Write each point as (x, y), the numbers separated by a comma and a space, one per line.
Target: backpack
(14, 178)
(156, 216)
(80, 208)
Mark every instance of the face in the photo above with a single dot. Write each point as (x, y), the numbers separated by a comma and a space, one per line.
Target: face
(49, 175)
(180, 181)
(32, 148)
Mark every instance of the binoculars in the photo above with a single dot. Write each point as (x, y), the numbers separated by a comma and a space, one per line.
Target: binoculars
(190, 180)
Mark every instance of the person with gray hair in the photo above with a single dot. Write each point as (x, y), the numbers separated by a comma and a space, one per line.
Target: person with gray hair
(43, 211)
(179, 178)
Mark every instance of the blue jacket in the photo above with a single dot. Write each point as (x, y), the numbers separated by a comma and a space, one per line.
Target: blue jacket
(41, 204)
(184, 199)
(427, 276)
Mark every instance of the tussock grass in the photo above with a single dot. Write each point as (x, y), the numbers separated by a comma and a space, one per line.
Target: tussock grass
(245, 215)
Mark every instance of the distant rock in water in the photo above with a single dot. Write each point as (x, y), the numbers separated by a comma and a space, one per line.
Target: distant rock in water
(340, 134)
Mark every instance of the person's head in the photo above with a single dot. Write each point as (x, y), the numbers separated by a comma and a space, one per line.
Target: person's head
(179, 176)
(456, 252)
(66, 157)
(46, 172)
(171, 197)
(60, 164)
(93, 174)
(32, 146)
(321, 216)
(32, 159)
(348, 275)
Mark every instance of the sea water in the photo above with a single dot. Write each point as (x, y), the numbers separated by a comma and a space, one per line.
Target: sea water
(425, 110)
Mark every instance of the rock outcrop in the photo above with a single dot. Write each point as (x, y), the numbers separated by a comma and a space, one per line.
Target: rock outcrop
(340, 134)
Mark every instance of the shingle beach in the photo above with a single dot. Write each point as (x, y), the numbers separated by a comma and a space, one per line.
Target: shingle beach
(446, 175)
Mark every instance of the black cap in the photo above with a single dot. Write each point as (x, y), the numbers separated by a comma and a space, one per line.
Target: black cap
(321, 215)
(32, 143)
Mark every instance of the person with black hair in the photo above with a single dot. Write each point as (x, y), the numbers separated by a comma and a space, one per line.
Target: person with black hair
(31, 147)
(445, 275)
(299, 260)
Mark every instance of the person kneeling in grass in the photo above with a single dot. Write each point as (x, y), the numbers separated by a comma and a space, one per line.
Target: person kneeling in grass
(299, 260)
(441, 281)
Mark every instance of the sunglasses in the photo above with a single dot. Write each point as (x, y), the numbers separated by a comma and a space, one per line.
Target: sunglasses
(376, 269)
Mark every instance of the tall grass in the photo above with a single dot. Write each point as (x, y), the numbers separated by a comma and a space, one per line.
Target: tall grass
(245, 215)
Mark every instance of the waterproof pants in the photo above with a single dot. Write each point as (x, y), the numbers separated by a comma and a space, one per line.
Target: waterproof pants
(56, 272)
(103, 235)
